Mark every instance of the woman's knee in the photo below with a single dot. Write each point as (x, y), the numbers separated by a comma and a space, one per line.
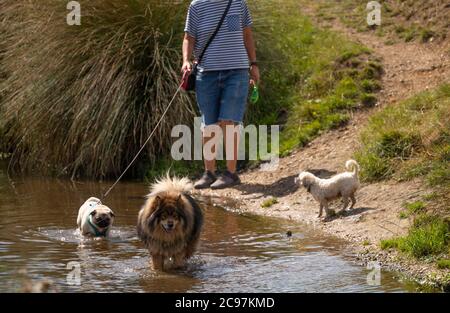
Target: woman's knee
(224, 123)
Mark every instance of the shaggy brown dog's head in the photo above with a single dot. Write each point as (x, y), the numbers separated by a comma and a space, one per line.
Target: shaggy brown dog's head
(163, 216)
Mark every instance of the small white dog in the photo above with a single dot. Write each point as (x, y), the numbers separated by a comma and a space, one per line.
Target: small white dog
(342, 185)
(95, 219)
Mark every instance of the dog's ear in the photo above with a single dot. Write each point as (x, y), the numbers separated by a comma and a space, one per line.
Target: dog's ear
(157, 201)
(142, 234)
(307, 184)
(156, 212)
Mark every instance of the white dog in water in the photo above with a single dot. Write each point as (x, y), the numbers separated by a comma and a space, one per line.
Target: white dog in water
(342, 185)
(95, 219)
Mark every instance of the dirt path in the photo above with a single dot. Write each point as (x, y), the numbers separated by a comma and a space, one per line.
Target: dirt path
(409, 68)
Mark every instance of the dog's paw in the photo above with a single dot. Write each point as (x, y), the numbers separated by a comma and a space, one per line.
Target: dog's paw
(326, 219)
(343, 213)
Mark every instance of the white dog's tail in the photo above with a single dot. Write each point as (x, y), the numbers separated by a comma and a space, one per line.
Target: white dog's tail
(166, 184)
(352, 166)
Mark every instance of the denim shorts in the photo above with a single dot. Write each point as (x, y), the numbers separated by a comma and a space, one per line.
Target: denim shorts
(222, 95)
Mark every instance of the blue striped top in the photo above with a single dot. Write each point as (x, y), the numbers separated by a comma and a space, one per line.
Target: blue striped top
(227, 50)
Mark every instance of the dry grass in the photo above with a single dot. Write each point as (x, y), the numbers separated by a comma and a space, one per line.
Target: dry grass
(80, 100)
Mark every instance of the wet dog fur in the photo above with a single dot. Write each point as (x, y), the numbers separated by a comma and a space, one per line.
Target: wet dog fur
(170, 222)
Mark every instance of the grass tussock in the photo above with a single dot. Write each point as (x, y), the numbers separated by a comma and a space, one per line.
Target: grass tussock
(428, 236)
(443, 264)
(412, 209)
(80, 100)
(269, 202)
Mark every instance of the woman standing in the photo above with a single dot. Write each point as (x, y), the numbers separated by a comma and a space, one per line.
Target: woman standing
(224, 73)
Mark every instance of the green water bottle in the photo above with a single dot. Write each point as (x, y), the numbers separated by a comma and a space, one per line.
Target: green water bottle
(254, 97)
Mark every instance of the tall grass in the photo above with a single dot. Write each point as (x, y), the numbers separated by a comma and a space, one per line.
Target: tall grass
(80, 100)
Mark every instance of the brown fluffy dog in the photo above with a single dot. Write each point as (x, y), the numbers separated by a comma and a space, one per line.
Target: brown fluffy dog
(170, 222)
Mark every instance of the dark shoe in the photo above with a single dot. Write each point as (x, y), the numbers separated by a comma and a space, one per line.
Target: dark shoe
(205, 181)
(227, 179)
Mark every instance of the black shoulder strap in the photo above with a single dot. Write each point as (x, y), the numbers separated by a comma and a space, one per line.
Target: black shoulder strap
(215, 32)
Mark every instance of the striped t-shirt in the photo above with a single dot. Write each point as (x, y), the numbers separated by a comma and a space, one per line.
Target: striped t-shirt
(227, 50)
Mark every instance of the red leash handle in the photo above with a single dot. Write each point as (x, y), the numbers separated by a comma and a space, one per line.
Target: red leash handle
(184, 80)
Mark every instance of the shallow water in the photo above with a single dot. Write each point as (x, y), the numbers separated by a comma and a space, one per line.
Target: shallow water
(238, 253)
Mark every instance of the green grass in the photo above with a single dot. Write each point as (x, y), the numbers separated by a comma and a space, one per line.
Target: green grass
(370, 85)
(415, 207)
(429, 235)
(412, 209)
(386, 244)
(269, 202)
(426, 35)
(410, 139)
(443, 264)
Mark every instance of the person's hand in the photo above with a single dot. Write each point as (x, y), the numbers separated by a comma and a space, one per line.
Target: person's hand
(187, 67)
(254, 75)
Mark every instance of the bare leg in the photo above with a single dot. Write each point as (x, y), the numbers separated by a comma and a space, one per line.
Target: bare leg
(231, 143)
(158, 262)
(210, 165)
